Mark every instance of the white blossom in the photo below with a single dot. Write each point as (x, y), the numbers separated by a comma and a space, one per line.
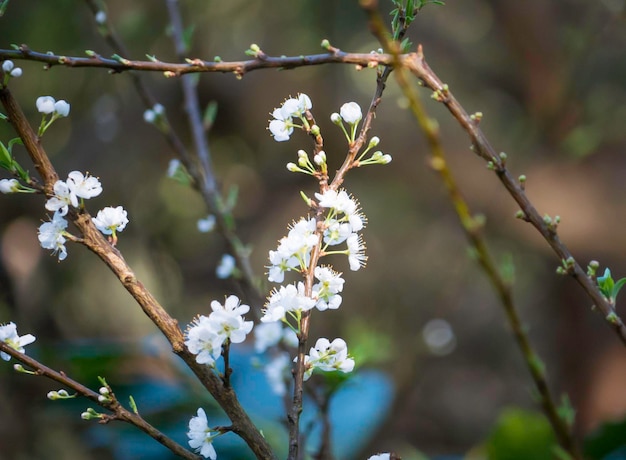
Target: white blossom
(200, 437)
(328, 356)
(62, 108)
(51, 235)
(101, 17)
(9, 67)
(326, 291)
(62, 199)
(9, 335)
(356, 252)
(226, 266)
(227, 320)
(294, 250)
(290, 298)
(45, 104)
(9, 185)
(173, 167)
(380, 457)
(207, 224)
(282, 125)
(351, 113)
(110, 220)
(204, 341)
(83, 186)
(281, 129)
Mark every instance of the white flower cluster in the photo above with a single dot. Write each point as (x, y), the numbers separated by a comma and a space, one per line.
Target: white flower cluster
(328, 356)
(282, 125)
(207, 334)
(205, 337)
(52, 110)
(342, 221)
(200, 436)
(9, 69)
(9, 335)
(48, 105)
(153, 114)
(52, 234)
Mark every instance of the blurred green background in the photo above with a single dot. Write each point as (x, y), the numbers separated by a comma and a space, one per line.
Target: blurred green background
(550, 79)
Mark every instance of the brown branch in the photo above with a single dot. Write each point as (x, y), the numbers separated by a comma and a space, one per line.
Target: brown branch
(95, 241)
(111, 404)
(239, 68)
(473, 231)
(417, 65)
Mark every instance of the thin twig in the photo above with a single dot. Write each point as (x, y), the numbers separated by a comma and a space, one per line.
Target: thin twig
(111, 404)
(417, 65)
(472, 228)
(238, 68)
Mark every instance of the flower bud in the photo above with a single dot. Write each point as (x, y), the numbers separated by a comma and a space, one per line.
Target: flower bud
(9, 185)
(374, 142)
(351, 113)
(292, 167)
(45, 104)
(335, 118)
(320, 158)
(62, 108)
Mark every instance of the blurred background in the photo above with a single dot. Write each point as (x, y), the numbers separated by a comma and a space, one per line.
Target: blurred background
(549, 78)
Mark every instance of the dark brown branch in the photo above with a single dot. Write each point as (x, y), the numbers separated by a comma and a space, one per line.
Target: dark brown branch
(95, 241)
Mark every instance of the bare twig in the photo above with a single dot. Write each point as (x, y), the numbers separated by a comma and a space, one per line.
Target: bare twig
(472, 228)
(111, 404)
(238, 68)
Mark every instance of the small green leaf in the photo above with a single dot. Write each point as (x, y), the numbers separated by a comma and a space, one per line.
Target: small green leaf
(133, 404)
(6, 161)
(406, 44)
(617, 287)
(21, 172)
(12, 142)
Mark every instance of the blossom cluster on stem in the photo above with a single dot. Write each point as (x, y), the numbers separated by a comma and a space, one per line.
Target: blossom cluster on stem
(207, 334)
(72, 193)
(10, 71)
(51, 110)
(335, 230)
